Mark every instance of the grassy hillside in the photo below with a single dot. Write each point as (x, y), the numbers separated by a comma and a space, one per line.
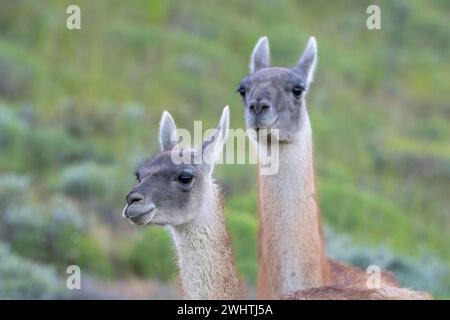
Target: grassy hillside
(79, 109)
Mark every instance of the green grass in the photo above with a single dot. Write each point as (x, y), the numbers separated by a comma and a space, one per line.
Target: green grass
(92, 99)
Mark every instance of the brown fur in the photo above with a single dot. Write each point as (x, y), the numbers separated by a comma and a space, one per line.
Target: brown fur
(337, 292)
(305, 229)
(349, 283)
(338, 280)
(291, 243)
(341, 281)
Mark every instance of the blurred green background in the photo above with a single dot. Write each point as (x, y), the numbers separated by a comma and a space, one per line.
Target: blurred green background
(79, 109)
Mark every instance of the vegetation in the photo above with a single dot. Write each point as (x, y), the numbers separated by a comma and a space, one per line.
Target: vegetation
(21, 279)
(79, 110)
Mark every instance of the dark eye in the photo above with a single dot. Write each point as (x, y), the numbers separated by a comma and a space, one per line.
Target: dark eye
(185, 178)
(241, 91)
(297, 91)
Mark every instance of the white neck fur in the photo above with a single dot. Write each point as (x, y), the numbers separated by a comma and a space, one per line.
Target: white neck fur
(291, 245)
(204, 252)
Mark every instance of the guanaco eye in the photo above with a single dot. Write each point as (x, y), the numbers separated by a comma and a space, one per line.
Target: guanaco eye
(241, 91)
(185, 178)
(297, 91)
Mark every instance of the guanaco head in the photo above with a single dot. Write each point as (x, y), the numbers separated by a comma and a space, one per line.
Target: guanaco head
(170, 190)
(274, 97)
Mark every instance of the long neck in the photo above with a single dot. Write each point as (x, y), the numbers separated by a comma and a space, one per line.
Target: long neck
(204, 252)
(291, 246)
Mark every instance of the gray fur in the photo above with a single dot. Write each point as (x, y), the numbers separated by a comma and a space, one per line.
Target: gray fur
(167, 132)
(261, 55)
(160, 197)
(269, 100)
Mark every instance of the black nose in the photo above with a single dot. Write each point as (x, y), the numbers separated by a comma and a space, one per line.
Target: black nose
(258, 107)
(134, 197)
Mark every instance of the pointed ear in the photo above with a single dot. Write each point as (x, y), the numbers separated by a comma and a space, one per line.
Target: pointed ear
(261, 55)
(167, 132)
(213, 145)
(307, 63)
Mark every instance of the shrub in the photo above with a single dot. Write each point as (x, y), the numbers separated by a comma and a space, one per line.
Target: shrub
(56, 234)
(427, 273)
(152, 255)
(22, 279)
(89, 180)
(363, 213)
(50, 148)
(44, 234)
(16, 75)
(90, 256)
(84, 180)
(11, 127)
(242, 228)
(12, 188)
(245, 203)
(26, 146)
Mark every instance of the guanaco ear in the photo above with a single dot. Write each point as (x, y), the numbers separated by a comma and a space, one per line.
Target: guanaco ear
(212, 146)
(261, 55)
(307, 63)
(167, 132)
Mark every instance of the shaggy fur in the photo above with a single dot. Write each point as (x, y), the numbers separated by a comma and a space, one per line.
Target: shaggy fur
(192, 211)
(205, 259)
